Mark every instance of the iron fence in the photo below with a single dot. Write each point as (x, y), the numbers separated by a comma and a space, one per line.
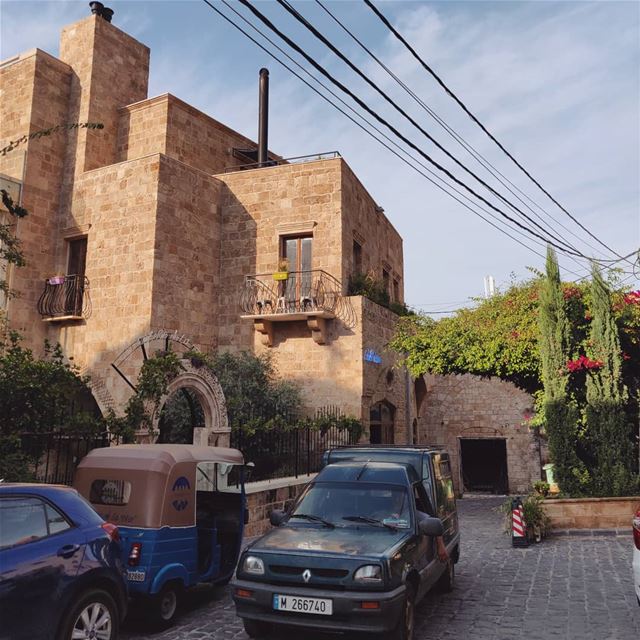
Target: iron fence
(55, 455)
(295, 446)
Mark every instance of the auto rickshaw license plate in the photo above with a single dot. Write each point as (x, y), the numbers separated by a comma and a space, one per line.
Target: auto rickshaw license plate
(296, 604)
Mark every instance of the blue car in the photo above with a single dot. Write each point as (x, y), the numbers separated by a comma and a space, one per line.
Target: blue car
(61, 575)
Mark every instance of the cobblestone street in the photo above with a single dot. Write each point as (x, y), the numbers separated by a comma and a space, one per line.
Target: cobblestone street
(567, 587)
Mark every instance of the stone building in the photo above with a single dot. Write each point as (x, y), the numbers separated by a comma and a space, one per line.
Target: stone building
(158, 227)
(483, 423)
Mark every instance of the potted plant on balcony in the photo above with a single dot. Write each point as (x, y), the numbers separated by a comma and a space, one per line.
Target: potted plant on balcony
(283, 270)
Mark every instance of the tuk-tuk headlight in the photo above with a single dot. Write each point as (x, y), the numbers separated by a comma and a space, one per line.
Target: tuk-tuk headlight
(368, 573)
(253, 565)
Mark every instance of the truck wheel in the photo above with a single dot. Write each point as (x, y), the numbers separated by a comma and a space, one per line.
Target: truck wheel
(164, 605)
(447, 579)
(405, 627)
(256, 628)
(94, 615)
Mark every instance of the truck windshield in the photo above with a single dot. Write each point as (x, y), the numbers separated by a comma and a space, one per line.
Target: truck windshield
(343, 504)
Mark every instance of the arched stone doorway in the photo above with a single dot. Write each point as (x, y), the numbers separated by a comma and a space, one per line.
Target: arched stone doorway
(381, 422)
(203, 386)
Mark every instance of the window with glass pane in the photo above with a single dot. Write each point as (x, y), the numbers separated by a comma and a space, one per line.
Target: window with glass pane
(297, 251)
(55, 520)
(22, 520)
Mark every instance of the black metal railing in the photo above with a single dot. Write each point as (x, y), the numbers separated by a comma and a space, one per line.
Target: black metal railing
(65, 296)
(327, 155)
(292, 449)
(53, 456)
(299, 291)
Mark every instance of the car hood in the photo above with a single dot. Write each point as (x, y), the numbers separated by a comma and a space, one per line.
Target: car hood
(352, 541)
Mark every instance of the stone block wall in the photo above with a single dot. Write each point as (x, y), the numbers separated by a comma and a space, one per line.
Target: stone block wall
(592, 513)
(34, 96)
(467, 406)
(186, 275)
(264, 497)
(366, 223)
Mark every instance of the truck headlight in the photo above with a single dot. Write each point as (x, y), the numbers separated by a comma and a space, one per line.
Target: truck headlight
(368, 573)
(253, 565)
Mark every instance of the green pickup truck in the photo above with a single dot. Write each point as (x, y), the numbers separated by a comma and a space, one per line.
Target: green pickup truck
(357, 549)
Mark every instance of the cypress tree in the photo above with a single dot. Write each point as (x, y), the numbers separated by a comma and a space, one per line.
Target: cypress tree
(606, 419)
(560, 411)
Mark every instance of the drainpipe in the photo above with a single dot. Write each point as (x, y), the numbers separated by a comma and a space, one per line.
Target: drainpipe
(407, 407)
(263, 117)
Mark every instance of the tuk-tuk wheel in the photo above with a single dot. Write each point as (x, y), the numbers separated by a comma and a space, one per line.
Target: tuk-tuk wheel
(256, 628)
(165, 604)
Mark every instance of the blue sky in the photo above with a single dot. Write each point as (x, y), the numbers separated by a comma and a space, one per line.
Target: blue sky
(557, 82)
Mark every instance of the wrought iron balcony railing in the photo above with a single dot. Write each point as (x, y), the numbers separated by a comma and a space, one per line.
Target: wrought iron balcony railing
(65, 298)
(299, 292)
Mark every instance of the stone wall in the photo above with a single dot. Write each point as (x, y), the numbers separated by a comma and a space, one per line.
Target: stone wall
(34, 95)
(264, 497)
(592, 513)
(467, 406)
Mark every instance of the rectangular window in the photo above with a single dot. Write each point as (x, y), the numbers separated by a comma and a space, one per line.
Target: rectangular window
(77, 261)
(111, 492)
(385, 280)
(357, 258)
(75, 281)
(296, 290)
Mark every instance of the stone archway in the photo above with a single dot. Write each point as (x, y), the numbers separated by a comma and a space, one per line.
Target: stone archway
(204, 385)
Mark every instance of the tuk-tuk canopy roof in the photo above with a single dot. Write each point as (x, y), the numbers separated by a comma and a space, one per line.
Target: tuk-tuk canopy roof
(158, 457)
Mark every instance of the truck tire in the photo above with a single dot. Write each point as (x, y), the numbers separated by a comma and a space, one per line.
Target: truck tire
(406, 624)
(256, 628)
(95, 604)
(447, 579)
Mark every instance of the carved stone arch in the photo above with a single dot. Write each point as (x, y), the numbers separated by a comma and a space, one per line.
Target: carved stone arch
(205, 386)
(99, 391)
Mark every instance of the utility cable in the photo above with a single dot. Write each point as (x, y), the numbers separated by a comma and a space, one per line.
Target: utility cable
(270, 53)
(491, 168)
(437, 78)
(300, 18)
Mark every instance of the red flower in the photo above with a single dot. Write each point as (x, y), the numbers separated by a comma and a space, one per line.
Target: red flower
(632, 297)
(583, 362)
(571, 292)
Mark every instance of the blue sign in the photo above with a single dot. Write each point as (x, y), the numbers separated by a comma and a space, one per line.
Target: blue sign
(371, 356)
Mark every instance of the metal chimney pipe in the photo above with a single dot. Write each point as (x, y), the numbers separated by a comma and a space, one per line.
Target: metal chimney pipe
(96, 8)
(107, 14)
(263, 117)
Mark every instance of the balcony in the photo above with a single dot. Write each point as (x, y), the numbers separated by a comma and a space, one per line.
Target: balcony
(311, 296)
(65, 298)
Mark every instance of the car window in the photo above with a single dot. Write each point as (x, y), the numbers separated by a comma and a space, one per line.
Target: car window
(55, 520)
(22, 520)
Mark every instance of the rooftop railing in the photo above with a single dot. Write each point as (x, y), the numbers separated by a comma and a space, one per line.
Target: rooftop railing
(274, 163)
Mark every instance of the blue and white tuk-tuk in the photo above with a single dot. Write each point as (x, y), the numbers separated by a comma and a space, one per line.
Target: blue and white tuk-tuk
(180, 510)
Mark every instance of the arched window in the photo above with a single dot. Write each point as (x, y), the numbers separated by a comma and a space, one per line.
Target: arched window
(381, 419)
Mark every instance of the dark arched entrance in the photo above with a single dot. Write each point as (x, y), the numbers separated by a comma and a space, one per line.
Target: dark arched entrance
(381, 421)
(180, 415)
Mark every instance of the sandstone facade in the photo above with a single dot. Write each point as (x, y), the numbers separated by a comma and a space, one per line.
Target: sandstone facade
(174, 225)
(465, 408)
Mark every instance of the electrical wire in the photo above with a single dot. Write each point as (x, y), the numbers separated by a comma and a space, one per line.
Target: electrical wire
(491, 168)
(474, 211)
(316, 33)
(395, 32)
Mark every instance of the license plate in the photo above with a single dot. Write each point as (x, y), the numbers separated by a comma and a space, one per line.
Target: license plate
(136, 576)
(296, 604)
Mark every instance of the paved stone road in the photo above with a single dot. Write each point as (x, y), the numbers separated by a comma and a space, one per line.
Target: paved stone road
(567, 587)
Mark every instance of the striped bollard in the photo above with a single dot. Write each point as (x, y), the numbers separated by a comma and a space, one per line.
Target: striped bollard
(518, 525)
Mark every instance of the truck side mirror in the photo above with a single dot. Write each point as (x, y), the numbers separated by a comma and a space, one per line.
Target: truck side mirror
(278, 515)
(431, 527)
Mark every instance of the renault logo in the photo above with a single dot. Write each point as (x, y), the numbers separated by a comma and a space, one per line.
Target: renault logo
(306, 575)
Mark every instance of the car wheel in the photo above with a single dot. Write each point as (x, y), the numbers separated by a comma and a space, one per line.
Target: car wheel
(256, 628)
(94, 615)
(405, 627)
(447, 579)
(165, 605)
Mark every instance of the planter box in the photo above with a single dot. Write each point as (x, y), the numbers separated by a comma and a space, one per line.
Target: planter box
(591, 513)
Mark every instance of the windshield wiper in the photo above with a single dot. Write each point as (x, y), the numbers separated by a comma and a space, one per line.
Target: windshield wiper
(308, 516)
(369, 520)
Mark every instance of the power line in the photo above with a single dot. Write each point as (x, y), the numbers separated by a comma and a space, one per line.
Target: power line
(491, 168)
(300, 18)
(393, 30)
(270, 53)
